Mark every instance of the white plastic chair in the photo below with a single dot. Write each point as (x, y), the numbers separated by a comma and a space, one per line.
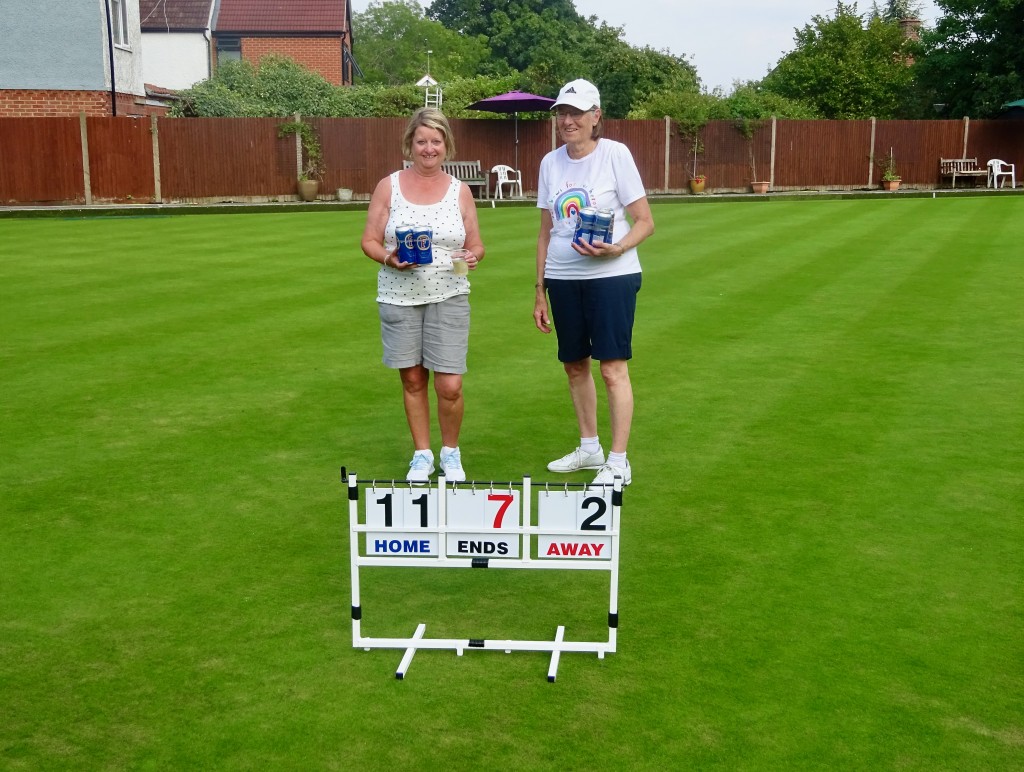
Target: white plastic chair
(508, 176)
(997, 169)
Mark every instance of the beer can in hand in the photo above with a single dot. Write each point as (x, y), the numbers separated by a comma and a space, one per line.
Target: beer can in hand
(602, 226)
(585, 225)
(406, 244)
(424, 244)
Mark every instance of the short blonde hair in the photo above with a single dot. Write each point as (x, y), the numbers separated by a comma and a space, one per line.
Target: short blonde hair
(431, 118)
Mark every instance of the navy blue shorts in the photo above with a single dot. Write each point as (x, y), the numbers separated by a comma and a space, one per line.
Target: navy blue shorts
(594, 317)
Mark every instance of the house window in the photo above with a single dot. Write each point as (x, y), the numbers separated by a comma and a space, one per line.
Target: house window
(119, 21)
(229, 49)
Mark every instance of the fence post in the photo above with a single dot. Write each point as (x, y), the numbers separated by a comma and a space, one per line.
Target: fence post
(871, 155)
(668, 146)
(967, 131)
(157, 193)
(298, 150)
(771, 164)
(86, 175)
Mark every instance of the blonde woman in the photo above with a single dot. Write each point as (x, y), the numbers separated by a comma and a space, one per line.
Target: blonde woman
(424, 309)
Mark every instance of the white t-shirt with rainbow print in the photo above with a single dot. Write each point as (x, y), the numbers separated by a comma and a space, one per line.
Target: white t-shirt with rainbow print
(605, 179)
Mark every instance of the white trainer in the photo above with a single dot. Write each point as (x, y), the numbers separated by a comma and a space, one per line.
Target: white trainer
(607, 473)
(421, 467)
(451, 465)
(577, 460)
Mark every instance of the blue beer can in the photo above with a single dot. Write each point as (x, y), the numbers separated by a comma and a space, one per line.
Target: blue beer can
(424, 235)
(406, 244)
(602, 226)
(585, 225)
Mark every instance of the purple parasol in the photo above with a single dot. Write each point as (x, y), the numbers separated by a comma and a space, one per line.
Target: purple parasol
(513, 102)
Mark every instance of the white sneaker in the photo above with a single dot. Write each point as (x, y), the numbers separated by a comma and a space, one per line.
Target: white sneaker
(577, 460)
(606, 476)
(451, 465)
(421, 467)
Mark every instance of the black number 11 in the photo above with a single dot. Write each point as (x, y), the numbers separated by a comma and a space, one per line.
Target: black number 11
(421, 502)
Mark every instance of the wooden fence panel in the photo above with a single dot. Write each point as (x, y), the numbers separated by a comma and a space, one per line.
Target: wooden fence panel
(244, 159)
(225, 158)
(121, 159)
(726, 156)
(807, 152)
(646, 141)
(41, 160)
(1003, 139)
(916, 148)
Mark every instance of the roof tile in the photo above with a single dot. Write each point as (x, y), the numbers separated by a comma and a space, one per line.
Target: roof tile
(281, 16)
(179, 15)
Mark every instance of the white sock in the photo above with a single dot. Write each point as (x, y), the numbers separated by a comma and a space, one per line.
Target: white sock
(445, 450)
(427, 452)
(590, 444)
(618, 460)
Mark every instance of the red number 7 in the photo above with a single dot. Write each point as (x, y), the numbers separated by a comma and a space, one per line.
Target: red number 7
(506, 500)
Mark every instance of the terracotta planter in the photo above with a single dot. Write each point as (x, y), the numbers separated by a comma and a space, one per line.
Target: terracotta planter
(308, 189)
(890, 184)
(697, 186)
(760, 187)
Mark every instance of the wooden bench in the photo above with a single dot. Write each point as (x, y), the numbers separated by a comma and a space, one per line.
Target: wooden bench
(468, 173)
(960, 167)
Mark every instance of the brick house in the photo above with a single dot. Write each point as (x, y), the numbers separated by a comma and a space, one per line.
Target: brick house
(98, 69)
(185, 39)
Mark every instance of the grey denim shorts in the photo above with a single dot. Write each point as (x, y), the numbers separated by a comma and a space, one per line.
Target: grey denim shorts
(435, 335)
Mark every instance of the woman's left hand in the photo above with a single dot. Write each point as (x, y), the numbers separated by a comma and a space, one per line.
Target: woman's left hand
(598, 249)
(471, 259)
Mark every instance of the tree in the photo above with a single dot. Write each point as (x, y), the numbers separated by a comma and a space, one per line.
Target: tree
(895, 10)
(393, 39)
(848, 68)
(277, 86)
(974, 59)
(549, 42)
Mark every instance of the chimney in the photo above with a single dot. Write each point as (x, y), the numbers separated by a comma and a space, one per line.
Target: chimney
(911, 28)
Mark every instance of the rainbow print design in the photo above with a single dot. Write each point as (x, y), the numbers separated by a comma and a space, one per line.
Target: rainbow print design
(569, 203)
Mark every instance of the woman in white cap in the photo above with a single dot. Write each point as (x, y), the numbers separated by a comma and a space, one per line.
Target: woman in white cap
(591, 287)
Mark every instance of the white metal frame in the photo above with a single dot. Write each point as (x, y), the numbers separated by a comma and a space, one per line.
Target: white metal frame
(527, 533)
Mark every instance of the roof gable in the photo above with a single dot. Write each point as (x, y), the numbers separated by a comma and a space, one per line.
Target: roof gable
(174, 15)
(282, 16)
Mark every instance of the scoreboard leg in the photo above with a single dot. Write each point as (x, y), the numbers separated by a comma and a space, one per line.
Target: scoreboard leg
(553, 669)
(403, 666)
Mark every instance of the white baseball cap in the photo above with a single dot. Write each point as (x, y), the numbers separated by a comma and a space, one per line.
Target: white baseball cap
(581, 94)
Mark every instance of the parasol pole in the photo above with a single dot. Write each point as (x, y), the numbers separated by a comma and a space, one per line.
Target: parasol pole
(517, 140)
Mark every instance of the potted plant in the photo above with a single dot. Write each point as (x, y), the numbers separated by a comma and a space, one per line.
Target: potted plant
(691, 113)
(890, 178)
(692, 134)
(749, 109)
(747, 127)
(311, 171)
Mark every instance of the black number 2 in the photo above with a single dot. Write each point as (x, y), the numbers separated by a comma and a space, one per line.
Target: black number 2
(601, 506)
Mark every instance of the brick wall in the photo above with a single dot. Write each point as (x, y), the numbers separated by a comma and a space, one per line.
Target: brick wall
(322, 55)
(41, 103)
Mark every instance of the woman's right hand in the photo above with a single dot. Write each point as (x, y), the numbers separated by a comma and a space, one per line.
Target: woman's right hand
(394, 261)
(541, 313)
